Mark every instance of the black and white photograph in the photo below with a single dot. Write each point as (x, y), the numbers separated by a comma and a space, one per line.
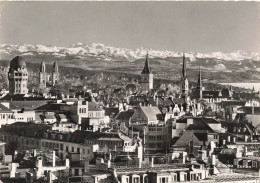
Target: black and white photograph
(129, 91)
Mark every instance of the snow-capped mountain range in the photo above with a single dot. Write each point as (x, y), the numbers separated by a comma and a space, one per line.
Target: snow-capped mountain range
(100, 51)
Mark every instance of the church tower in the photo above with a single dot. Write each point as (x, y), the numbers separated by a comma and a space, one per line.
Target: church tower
(184, 81)
(18, 76)
(199, 85)
(42, 76)
(55, 73)
(146, 76)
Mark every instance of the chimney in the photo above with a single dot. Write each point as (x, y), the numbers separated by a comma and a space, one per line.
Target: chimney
(13, 170)
(224, 141)
(152, 162)
(139, 163)
(245, 149)
(184, 157)
(110, 156)
(86, 166)
(234, 139)
(67, 163)
(246, 138)
(108, 164)
(34, 152)
(39, 162)
(228, 138)
(49, 177)
(53, 158)
(29, 177)
(189, 121)
(213, 159)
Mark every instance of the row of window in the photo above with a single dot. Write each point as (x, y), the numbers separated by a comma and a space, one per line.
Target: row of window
(6, 116)
(154, 129)
(159, 137)
(19, 85)
(20, 74)
(154, 145)
(82, 110)
(53, 145)
(26, 141)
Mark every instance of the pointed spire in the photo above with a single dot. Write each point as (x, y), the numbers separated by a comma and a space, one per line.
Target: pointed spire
(55, 67)
(42, 68)
(146, 69)
(184, 74)
(199, 85)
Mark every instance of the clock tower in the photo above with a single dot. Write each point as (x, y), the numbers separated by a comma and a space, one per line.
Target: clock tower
(146, 76)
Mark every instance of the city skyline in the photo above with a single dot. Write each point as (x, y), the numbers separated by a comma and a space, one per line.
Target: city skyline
(177, 26)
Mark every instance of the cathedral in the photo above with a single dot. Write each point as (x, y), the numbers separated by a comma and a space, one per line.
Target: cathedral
(44, 77)
(18, 76)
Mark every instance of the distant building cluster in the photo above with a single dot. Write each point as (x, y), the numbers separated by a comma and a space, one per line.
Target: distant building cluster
(130, 134)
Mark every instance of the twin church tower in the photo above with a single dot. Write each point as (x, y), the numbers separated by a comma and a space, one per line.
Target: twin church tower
(43, 76)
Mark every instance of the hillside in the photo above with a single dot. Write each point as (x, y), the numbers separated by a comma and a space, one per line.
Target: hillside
(216, 67)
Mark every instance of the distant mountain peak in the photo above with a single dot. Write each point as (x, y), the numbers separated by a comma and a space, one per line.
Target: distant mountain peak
(83, 50)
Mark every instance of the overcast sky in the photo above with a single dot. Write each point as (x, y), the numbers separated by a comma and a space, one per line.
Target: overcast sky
(175, 26)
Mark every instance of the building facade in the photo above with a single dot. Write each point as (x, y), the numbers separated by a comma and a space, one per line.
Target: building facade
(18, 76)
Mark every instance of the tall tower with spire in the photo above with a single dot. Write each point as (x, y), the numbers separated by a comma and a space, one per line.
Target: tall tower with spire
(199, 85)
(42, 76)
(55, 73)
(146, 76)
(184, 81)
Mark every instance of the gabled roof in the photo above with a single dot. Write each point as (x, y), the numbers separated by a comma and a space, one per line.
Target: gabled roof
(231, 125)
(211, 94)
(245, 96)
(4, 109)
(19, 127)
(232, 103)
(49, 107)
(251, 110)
(111, 111)
(226, 93)
(92, 106)
(151, 113)
(201, 136)
(200, 125)
(125, 115)
(164, 102)
(50, 116)
(17, 105)
(210, 121)
(178, 101)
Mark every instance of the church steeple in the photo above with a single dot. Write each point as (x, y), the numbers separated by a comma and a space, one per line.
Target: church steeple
(199, 84)
(184, 73)
(55, 73)
(55, 67)
(146, 76)
(42, 76)
(147, 68)
(184, 81)
(42, 68)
